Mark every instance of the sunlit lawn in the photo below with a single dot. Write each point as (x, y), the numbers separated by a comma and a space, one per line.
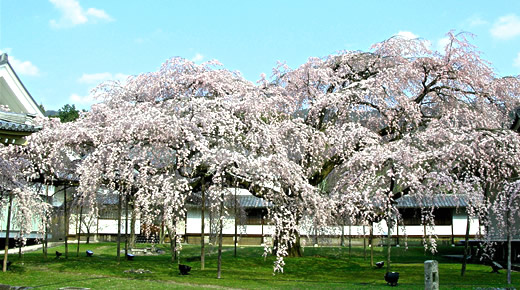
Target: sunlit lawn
(323, 267)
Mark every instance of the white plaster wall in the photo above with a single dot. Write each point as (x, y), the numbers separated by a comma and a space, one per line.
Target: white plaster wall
(102, 226)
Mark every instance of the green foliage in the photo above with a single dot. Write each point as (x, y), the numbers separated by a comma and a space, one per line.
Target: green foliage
(68, 113)
(322, 267)
(42, 108)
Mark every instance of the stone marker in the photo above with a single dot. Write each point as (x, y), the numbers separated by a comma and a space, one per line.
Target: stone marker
(431, 275)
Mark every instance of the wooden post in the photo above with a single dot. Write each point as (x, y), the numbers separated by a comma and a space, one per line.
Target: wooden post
(8, 226)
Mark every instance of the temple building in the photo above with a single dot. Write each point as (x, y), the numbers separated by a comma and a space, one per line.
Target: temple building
(17, 106)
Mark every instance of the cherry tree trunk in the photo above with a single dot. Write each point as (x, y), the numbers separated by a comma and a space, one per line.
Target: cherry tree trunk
(235, 235)
(173, 241)
(295, 249)
(349, 241)
(364, 244)
(132, 229)
(88, 234)
(389, 245)
(371, 240)
(66, 221)
(46, 238)
(8, 226)
(119, 229)
(466, 248)
(162, 234)
(509, 257)
(20, 245)
(126, 225)
(221, 226)
(509, 237)
(203, 205)
(342, 243)
(79, 229)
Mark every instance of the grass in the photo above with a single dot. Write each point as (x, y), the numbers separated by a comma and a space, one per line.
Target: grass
(323, 267)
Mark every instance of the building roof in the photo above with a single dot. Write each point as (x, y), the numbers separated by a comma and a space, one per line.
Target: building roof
(17, 122)
(244, 201)
(439, 201)
(14, 87)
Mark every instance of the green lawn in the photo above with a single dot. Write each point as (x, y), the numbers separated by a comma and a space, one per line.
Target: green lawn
(323, 267)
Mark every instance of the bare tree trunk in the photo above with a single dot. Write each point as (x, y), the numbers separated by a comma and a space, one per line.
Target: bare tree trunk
(119, 229)
(66, 221)
(8, 226)
(203, 205)
(79, 229)
(466, 247)
(221, 226)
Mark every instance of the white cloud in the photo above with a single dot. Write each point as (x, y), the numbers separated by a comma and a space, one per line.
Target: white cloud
(407, 35)
(98, 13)
(516, 62)
(82, 100)
(102, 77)
(442, 43)
(73, 14)
(198, 57)
(21, 67)
(506, 27)
(476, 20)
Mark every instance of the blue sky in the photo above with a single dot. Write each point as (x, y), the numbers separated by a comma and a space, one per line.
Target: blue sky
(61, 49)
